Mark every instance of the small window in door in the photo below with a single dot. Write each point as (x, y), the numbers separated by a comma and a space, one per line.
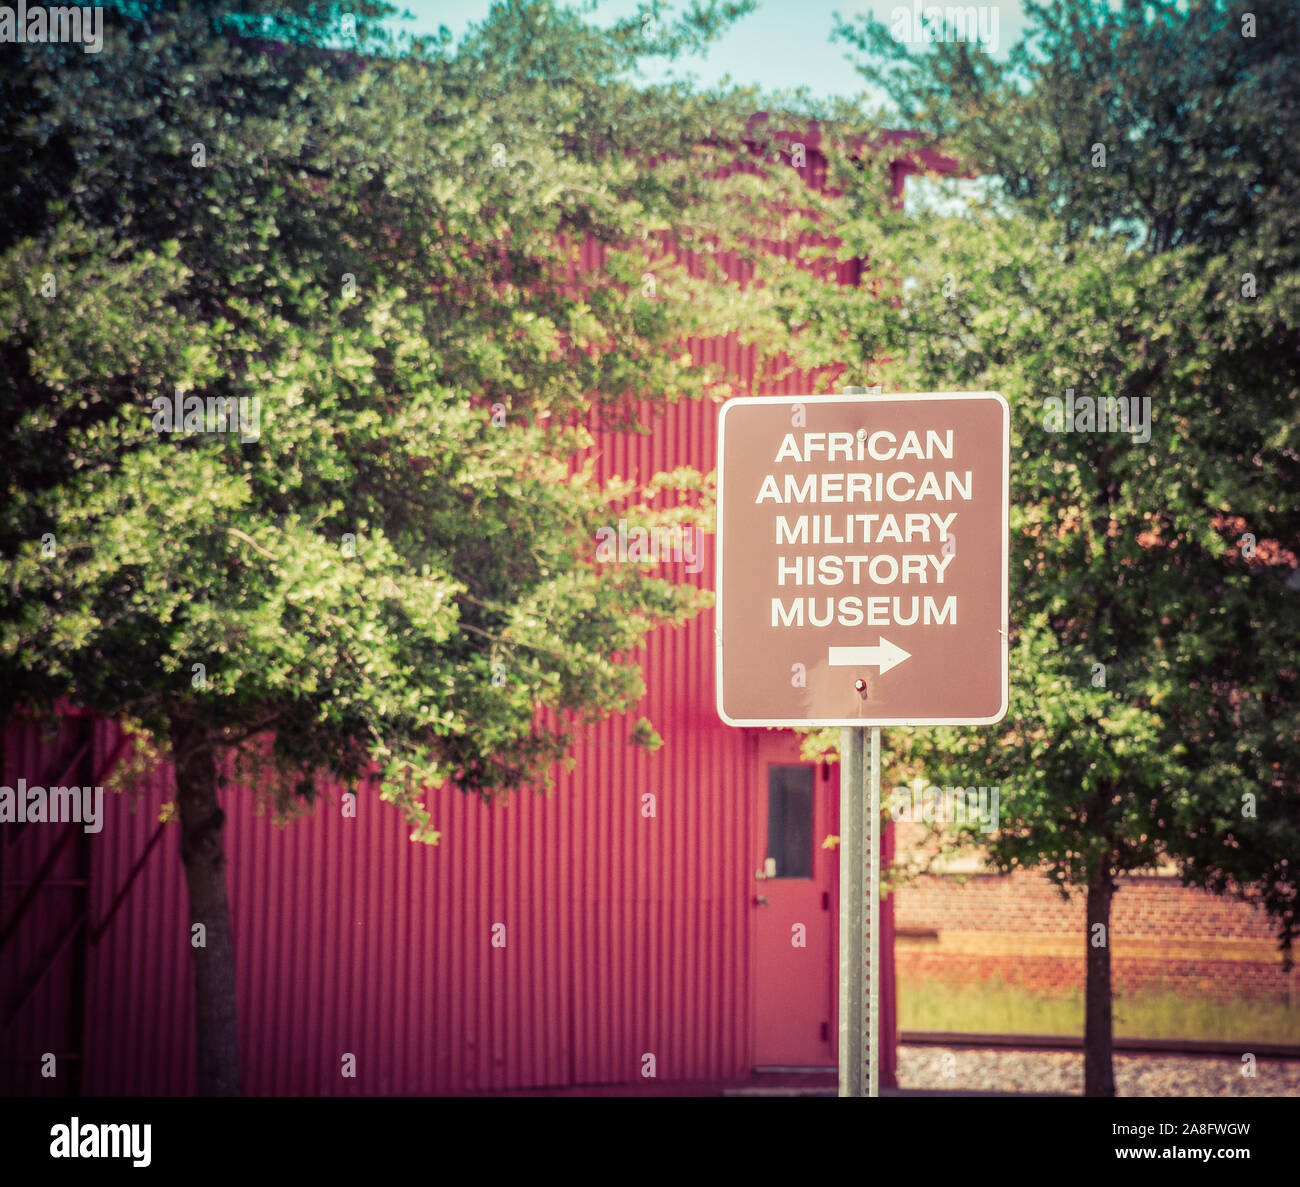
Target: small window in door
(790, 820)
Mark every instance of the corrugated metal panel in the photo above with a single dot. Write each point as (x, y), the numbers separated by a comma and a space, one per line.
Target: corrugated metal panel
(624, 936)
(140, 1004)
(42, 1015)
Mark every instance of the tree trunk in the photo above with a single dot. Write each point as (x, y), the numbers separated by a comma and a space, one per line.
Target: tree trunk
(1098, 1041)
(202, 854)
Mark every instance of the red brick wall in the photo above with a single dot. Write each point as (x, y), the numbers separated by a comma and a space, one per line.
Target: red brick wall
(1017, 927)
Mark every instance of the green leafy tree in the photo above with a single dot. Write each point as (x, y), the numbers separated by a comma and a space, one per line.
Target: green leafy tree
(1135, 241)
(301, 326)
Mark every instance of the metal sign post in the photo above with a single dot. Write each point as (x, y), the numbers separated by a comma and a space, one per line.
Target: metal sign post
(859, 912)
(859, 906)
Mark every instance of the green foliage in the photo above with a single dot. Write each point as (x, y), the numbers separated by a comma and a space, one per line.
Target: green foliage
(392, 574)
(1123, 279)
(992, 1007)
(645, 735)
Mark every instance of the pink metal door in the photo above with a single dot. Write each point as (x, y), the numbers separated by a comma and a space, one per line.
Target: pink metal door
(792, 909)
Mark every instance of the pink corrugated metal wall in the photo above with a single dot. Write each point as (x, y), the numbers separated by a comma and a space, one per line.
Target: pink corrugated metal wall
(623, 935)
(43, 1016)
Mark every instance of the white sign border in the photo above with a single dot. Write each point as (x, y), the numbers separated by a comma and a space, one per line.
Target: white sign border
(894, 397)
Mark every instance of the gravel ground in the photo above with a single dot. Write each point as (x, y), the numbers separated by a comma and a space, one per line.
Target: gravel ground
(1062, 1072)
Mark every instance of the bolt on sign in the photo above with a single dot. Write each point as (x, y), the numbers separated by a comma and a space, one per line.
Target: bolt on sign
(862, 560)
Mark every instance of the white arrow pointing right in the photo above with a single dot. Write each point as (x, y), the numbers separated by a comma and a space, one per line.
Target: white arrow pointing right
(886, 655)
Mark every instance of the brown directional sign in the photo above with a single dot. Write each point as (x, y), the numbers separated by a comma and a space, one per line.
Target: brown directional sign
(862, 560)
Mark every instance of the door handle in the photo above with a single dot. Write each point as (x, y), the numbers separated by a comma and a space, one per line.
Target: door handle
(761, 900)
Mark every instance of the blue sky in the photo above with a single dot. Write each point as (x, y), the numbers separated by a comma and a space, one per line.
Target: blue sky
(783, 44)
